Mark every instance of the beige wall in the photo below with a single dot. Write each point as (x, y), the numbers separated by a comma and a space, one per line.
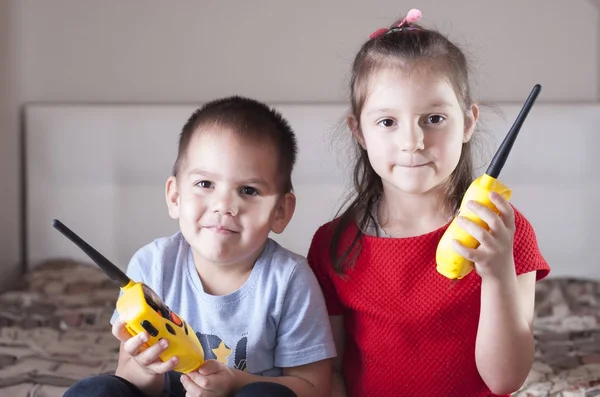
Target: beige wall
(193, 50)
(10, 219)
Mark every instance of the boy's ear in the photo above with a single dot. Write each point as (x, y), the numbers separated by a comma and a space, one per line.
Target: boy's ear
(356, 133)
(471, 122)
(172, 196)
(283, 212)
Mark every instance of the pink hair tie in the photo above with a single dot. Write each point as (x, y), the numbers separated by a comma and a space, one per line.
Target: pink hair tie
(412, 16)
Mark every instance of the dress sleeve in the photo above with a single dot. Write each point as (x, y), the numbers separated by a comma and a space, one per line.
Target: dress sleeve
(526, 251)
(318, 260)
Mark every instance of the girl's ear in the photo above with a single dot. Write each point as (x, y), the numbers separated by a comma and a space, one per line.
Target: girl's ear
(172, 196)
(470, 122)
(356, 133)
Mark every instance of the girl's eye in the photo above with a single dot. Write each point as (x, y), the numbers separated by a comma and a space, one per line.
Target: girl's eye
(435, 119)
(204, 184)
(249, 191)
(386, 123)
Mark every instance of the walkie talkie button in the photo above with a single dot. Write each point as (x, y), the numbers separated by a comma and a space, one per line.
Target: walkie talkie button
(149, 328)
(175, 318)
(170, 329)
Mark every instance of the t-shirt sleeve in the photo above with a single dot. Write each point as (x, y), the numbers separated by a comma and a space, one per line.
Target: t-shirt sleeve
(304, 332)
(318, 260)
(134, 272)
(527, 254)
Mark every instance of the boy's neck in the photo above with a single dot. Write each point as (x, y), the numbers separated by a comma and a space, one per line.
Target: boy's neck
(403, 214)
(222, 279)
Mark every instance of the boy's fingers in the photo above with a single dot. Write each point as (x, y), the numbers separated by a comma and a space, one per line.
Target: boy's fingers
(161, 367)
(134, 344)
(151, 354)
(120, 331)
(190, 386)
(209, 367)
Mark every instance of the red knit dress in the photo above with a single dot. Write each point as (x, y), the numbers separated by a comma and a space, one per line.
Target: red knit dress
(409, 330)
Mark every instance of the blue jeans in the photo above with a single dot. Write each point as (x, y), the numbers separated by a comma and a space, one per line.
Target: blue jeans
(111, 385)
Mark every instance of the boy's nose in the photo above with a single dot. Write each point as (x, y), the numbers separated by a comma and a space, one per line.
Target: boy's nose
(225, 205)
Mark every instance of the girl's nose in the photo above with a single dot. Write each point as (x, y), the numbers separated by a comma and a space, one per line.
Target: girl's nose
(412, 139)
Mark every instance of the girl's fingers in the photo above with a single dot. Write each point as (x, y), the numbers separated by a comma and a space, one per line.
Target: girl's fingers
(474, 230)
(506, 211)
(470, 254)
(487, 215)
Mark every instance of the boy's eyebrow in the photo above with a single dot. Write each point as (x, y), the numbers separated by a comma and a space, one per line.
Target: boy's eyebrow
(210, 175)
(198, 171)
(255, 181)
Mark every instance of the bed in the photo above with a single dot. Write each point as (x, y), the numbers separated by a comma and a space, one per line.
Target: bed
(100, 169)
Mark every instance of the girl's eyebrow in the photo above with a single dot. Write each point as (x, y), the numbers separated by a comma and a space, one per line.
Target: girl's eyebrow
(440, 105)
(379, 110)
(388, 110)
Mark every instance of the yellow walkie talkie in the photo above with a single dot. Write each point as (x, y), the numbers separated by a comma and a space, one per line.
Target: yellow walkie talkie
(142, 310)
(449, 262)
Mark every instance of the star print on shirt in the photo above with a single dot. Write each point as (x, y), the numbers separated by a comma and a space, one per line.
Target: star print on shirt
(222, 352)
(215, 348)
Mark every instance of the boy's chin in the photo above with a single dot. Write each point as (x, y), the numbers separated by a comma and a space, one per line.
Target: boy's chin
(224, 249)
(218, 259)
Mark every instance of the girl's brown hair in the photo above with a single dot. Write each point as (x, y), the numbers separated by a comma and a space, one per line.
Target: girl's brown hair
(411, 47)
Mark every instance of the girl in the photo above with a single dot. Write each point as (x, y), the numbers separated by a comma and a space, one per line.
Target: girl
(401, 328)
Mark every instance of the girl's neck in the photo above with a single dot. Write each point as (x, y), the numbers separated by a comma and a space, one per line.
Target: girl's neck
(403, 214)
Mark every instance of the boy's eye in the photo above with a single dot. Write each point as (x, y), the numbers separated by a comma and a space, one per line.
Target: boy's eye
(204, 184)
(249, 191)
(386, 123)
(435, 119)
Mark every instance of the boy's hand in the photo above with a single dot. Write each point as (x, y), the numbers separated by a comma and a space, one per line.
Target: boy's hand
(494, 256)
(146, 357)
(212, 379)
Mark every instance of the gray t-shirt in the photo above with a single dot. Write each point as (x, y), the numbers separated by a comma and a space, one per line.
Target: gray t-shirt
(276, 319)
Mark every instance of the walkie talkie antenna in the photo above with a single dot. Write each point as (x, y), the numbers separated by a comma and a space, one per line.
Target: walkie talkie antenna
(501, 155)
(115, 274)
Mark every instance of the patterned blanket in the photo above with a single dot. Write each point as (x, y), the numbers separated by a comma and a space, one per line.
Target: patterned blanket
(54, 330)
(567, 335)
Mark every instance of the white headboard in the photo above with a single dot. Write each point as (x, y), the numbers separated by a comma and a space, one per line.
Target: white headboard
(101, 170)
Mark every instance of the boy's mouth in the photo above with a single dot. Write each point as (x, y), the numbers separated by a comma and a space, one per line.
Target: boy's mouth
(220, 229)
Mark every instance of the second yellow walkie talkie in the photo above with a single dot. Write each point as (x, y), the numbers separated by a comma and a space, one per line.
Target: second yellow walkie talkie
(449, 262)
(142, 311)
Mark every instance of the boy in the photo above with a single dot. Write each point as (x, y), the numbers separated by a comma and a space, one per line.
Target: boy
(256, 307)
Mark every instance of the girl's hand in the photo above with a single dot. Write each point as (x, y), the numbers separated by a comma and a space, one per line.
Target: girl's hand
(494, 256)
(212, 379)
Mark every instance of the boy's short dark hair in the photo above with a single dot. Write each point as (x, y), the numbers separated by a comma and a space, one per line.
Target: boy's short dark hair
(250, 119)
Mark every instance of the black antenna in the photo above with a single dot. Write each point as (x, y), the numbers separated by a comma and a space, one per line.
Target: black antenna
(115, 274)
(507, 144)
